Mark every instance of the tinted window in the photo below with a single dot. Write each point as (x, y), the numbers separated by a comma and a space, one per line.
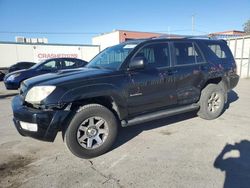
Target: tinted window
(70, 64)
(156, 55)
(187, 53)
(219, 50)
(27, 65)
(53, 65)
(81, 63)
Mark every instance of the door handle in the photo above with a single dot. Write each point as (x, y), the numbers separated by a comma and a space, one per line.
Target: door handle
(204, 67)
(171, 72)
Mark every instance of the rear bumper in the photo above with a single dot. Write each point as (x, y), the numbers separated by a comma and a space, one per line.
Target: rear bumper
(233, 81)
(48, 122)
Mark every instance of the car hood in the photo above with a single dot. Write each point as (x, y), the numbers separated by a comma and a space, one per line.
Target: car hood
(17, 72)
(67, 77)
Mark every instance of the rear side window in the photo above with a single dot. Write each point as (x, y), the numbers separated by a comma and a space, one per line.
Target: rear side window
(187, 53)
(216, 48)
(80, 63)
(26, 65)
(69, 64)
(219, 50)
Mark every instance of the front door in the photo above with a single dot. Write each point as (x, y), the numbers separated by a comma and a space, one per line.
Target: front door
(153, 87)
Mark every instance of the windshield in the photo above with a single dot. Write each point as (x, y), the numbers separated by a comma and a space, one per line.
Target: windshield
(111, 58)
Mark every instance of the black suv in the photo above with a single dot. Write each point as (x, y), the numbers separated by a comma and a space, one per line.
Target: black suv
(127, 84)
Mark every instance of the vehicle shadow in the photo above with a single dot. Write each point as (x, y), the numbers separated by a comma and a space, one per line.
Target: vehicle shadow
(128, 133)
(7, 95)
(232, 97)
(237, 168)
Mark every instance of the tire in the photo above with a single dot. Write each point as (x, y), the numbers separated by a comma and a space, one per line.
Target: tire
(91, 123)
(211, 102)
(1, 76)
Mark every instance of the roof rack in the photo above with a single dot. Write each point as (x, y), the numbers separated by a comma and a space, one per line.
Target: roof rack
(168, 36)
(171, 36)
(202, 37)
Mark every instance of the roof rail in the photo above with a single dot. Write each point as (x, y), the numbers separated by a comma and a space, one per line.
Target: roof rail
(168, 36)
(202, 37)
(171, 36)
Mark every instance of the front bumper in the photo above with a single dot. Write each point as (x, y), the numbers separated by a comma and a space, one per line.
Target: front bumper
(48, 122)
(11, 85)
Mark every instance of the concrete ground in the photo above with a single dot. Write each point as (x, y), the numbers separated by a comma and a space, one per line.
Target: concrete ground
(174, 152)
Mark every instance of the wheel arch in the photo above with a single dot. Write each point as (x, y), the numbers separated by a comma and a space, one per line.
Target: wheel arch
(221, 81)
(104, 100)
(104, 94)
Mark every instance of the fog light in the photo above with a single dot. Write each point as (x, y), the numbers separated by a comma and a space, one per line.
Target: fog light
(28, 126)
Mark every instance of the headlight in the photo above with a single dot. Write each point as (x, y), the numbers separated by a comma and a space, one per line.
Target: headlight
(36, 94)
(12, 77)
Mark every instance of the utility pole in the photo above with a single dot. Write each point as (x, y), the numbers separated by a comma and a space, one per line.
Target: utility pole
(193, 24)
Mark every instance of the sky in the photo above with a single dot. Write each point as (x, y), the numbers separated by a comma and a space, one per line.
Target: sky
(77, 21)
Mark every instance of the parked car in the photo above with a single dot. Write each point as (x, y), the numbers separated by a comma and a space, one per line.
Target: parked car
(20, 66)
(127, 84)
(2, 74)
(15, 67)
(13, 80)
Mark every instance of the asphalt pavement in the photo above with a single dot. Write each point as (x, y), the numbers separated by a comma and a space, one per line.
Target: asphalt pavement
(180, 151)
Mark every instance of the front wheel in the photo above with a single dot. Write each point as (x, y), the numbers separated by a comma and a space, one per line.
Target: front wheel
(91, 132)
(211, 102)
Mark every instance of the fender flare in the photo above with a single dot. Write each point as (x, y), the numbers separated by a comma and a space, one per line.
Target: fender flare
(97, 90)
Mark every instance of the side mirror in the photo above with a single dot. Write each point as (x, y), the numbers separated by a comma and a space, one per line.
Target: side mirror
(137, 63)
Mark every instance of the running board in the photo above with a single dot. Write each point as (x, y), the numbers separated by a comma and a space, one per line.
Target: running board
(159, 114)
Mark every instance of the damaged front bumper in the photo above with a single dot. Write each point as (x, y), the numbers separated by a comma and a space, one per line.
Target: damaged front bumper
(40, 124)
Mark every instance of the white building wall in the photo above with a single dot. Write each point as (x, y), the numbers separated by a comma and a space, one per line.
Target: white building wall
(23, 52)
(88, 52)
(11, 53)
(106, 40)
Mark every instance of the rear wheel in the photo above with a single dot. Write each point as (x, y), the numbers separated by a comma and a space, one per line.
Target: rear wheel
(211, 102)
(91, 132)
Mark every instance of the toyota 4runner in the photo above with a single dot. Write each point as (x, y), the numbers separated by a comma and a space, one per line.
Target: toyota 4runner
(127, 84)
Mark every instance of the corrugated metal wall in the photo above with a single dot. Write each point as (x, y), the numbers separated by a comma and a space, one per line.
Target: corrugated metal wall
(240, 47)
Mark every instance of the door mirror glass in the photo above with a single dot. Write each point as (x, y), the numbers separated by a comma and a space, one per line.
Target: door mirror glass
(137, 63)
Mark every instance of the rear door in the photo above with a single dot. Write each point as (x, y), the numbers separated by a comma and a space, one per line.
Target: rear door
(152, 87)
(189, 63)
